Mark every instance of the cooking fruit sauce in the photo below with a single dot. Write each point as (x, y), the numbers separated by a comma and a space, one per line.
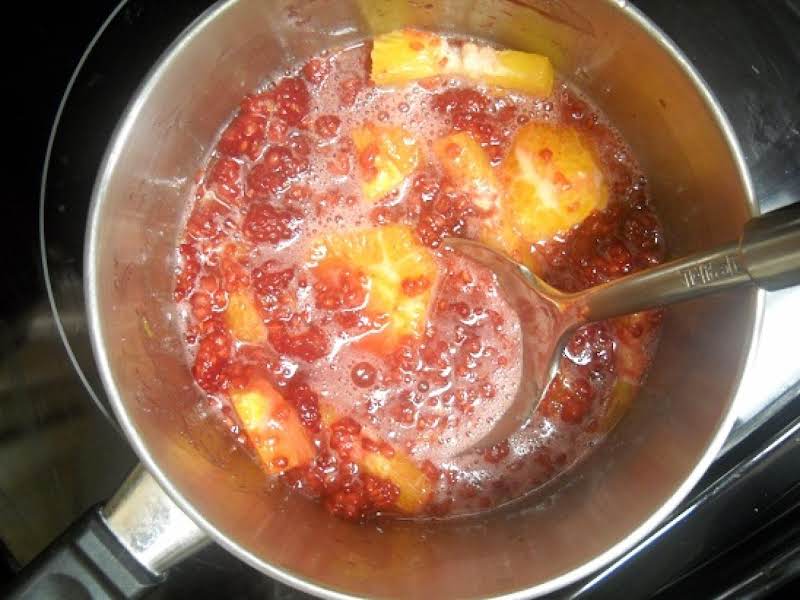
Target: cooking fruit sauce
(340, 342)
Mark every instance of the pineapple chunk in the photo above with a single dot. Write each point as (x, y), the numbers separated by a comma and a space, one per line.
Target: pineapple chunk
(327, 414)
(399, 276)
(406, 55)
(244, 320)
(510, 69)
(274, 428)
(414, 485)
(634, 332)
(552, 182)
(630, 364)
(386, 156)
(465, 162)
(620, 400)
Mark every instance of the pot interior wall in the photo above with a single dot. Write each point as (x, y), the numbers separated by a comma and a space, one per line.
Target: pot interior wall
(696, 185)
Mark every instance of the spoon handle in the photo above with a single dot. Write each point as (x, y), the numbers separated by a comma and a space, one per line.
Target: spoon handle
(770, 248)
(767, 255)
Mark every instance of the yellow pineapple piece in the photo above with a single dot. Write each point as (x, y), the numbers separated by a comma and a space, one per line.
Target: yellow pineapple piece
(630, 356)
(414, 485)
(620, 400)
(466, 163)
(509, 69)
(327, 414)
(407, 55)
(386, 156)
(399, 276)
(243, 318)
(274, 428)
(552, 182)
(630, 363)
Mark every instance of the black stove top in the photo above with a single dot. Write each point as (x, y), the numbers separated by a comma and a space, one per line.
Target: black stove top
(737, 535)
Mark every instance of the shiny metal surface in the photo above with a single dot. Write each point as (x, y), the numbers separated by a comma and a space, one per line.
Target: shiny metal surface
(749, 79)
(770, 248)
(609, 502)
(767, 254)
(150, 525)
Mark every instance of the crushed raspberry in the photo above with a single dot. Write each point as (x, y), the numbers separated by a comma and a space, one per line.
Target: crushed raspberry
(276, 171)
(225, 179)
(307, 403)
(327, 126)
(211, 359)
(292, 100)
(266, 223)
(309, 344)
(270, 281)
(244, 136)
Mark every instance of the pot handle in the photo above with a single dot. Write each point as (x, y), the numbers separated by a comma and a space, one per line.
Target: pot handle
(120, 550)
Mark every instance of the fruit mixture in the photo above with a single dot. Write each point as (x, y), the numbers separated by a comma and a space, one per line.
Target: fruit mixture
(332, 333)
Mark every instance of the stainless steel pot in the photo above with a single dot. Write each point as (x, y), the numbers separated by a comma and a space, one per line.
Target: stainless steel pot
(608, 503)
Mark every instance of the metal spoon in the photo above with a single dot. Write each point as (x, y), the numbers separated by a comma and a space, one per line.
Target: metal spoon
(767, 255)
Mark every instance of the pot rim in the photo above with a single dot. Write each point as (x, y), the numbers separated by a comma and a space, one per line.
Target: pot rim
(127, 122)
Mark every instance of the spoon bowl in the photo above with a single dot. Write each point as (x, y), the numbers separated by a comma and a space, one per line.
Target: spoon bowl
(767, 255)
